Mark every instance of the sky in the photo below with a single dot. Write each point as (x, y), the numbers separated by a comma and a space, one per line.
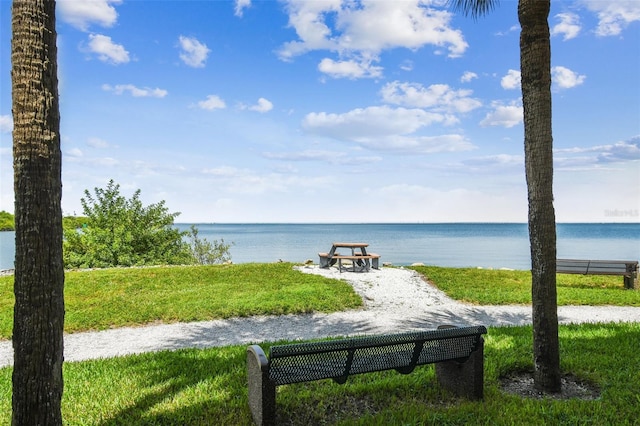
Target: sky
(336, 110)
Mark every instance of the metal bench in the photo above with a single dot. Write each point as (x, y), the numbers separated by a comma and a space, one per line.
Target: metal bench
(457, 352)
(627, 268)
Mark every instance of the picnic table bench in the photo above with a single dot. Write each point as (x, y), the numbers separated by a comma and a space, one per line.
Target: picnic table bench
(360, 261)
(627, 268)
(457, 352)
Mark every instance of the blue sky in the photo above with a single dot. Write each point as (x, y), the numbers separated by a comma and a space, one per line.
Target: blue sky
(337, 111)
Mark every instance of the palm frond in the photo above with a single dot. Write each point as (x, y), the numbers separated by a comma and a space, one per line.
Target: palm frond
(474, 8)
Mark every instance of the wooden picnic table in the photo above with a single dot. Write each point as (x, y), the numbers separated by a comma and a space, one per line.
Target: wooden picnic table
(361, 261)
(352, 246)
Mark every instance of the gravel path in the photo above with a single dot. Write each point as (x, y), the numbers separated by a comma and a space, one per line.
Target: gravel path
(396, 300)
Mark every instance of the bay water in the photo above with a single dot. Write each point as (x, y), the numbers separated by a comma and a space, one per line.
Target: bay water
(487, 245)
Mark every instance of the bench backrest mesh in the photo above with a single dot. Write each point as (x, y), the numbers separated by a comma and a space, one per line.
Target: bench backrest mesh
(337, 359)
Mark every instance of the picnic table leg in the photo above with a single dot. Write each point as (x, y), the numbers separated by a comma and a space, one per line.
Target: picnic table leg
(374, 263)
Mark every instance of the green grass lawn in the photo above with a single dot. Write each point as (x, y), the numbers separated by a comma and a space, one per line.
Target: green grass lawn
(198, 387)
(108, 298)
(502, 287)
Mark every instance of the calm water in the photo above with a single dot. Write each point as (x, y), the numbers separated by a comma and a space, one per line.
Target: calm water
(484, 245)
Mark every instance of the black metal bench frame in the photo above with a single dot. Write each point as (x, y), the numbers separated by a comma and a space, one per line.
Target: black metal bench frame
(627, 268)
(457, 352)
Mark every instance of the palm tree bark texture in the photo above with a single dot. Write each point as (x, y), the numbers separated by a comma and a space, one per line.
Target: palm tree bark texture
(535, 69)
(39, 272)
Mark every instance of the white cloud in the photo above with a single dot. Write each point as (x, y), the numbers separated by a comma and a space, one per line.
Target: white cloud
(241, 5)
(98, 143)
(621, 151)
(386, 128)
(468, 76)
(82, 13)
(136, 92)
(194, 53)
(618, 152)
(74, 152)
(349, 69)
(406, 65)
(569, 26)
(364, 29)
(565, 78)
(330, 157)
(439, 97)
(503, 115)
(370, 122)
(489, 164)
(512, 29)
(212, 102)
(419, 144)
(263, 105)
(511, 80)
(6, 124)
(94, 163)
(613, 16)
(107, 50)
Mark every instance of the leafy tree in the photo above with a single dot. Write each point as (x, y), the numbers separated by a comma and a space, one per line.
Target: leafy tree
(7, 221)
(123, 232)
(208, 253)
(535, 69)
(73, 222)
(39, 274)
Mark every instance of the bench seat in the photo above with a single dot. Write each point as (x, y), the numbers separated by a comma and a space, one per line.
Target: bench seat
(457, 352)
(359, 262)
(326, 260)
(626, 268)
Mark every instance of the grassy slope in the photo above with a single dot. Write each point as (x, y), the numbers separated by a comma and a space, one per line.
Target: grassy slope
(111, 298)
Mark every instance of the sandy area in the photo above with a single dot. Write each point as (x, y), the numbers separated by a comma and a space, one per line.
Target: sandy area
(396, 300)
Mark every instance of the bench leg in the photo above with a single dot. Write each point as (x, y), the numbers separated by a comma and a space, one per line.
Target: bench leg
(324, 261)
(374, 263)
(630, 281)
(464, 379)
(262, 392)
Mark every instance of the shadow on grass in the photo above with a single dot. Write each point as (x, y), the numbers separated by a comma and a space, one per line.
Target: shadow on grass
(193, 387)
(249, 330)
(185, 387)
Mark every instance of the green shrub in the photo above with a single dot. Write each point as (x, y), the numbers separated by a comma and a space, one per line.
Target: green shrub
(208, 252)
(73, 222)
(7, 222)
(123, 232)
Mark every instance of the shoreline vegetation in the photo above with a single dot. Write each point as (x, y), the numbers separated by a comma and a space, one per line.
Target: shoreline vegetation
(7, 221)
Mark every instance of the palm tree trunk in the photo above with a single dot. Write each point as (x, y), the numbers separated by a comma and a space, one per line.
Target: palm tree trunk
(39, 273)
(535, 66)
